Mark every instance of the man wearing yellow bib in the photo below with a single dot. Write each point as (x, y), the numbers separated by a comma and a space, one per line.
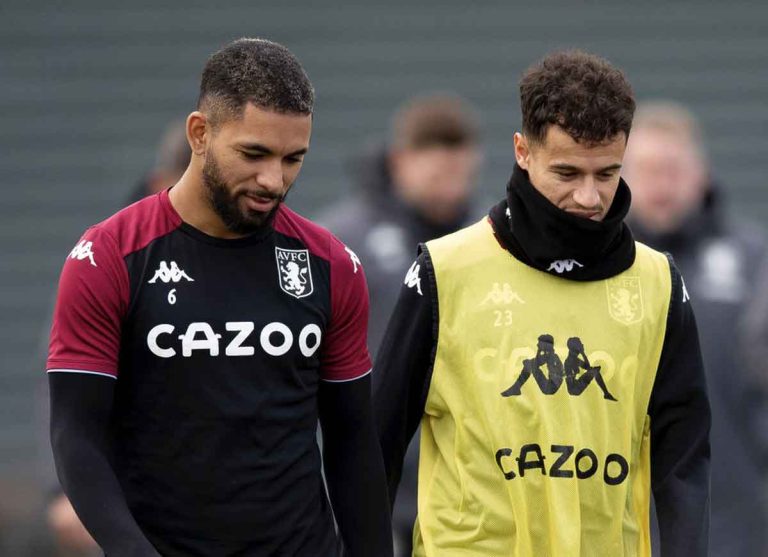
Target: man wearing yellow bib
(552, 361)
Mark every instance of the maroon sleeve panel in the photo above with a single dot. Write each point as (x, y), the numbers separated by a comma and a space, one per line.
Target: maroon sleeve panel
(92, 300)
(345, 354)
(94, 288)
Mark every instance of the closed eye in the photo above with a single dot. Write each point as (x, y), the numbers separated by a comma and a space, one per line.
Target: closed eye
(252, 156)
(566, 175)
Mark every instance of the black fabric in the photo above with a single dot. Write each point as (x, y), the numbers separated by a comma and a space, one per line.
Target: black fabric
(223, 350)
(680, 423)
(80, 409)
(403, 370)
(352, 456)
(213, 449)
(541, 235)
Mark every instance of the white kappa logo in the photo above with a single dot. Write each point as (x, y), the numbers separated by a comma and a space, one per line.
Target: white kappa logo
(170, 273)
(562, 265)
(83, 250)
(294, 272)
(412, 278)
(355, 259)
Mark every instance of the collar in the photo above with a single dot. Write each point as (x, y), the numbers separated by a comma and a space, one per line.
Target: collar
(553, 241)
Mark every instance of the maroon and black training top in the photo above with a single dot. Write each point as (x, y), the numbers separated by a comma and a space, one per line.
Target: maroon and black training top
(218, 347)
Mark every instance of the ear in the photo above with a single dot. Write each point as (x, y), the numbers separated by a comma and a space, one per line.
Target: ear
(198, 132)
(522, 150)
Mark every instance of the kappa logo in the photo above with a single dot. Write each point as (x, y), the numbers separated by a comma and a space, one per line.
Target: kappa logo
(501, 295)
(576, 371)
(169, 273)
(564, 265)
(412, 278)
(354, 258)
(294, 272)
(82, 250)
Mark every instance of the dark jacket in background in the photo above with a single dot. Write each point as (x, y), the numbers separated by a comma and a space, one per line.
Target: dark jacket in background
(384, 233)
(720, 261)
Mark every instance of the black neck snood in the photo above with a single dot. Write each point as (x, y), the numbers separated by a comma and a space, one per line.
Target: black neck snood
(551, 240)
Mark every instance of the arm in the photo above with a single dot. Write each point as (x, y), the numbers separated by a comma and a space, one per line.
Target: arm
(352, 457)
(403, 368)
(80, 408)
(82, 369)
(353, 467)
(680, 422)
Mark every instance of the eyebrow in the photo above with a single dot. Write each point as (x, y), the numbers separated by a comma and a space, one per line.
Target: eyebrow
(570, 168)
(259, 148)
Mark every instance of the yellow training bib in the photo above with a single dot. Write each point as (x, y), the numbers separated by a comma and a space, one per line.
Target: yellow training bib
(535, 438)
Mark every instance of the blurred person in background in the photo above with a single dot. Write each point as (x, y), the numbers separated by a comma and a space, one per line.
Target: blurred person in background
(70, 536)
(416, 188)
(171, 160)
(678, 207)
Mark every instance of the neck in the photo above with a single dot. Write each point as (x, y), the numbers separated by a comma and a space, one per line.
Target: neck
(554, 241)
(190, 200)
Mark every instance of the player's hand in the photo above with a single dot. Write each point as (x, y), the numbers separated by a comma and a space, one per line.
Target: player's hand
(69, 531)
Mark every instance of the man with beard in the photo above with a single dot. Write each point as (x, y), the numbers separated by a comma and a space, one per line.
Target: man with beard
(677, 207)
(550, 471)
(199, 334)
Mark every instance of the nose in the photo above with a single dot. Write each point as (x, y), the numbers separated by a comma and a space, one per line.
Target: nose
(587, 195)
(270, 176)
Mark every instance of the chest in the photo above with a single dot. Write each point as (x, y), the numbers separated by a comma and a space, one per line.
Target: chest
(195, 304)
(529, 345)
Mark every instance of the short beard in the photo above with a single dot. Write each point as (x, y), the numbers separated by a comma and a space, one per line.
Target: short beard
(226, 205)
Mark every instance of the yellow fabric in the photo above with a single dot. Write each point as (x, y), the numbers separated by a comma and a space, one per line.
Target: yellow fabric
(493, 310)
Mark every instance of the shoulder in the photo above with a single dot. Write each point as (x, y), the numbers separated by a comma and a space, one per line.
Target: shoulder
(459, 240)
(137, 225)
(650, 260)
(466, 246)
(647, 253)
(318, 240)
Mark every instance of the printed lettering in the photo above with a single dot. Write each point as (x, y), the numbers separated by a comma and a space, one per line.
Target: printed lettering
(565, 452)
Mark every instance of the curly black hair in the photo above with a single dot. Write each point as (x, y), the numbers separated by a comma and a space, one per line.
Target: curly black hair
(580, 92)
(255, 71)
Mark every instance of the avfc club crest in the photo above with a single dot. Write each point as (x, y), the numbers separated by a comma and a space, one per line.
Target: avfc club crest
(294, 272)
(625, 300)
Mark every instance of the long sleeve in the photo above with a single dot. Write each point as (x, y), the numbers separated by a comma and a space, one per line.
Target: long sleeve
(353, 468)
(80, 409)
(403, 367)
(680, 424)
